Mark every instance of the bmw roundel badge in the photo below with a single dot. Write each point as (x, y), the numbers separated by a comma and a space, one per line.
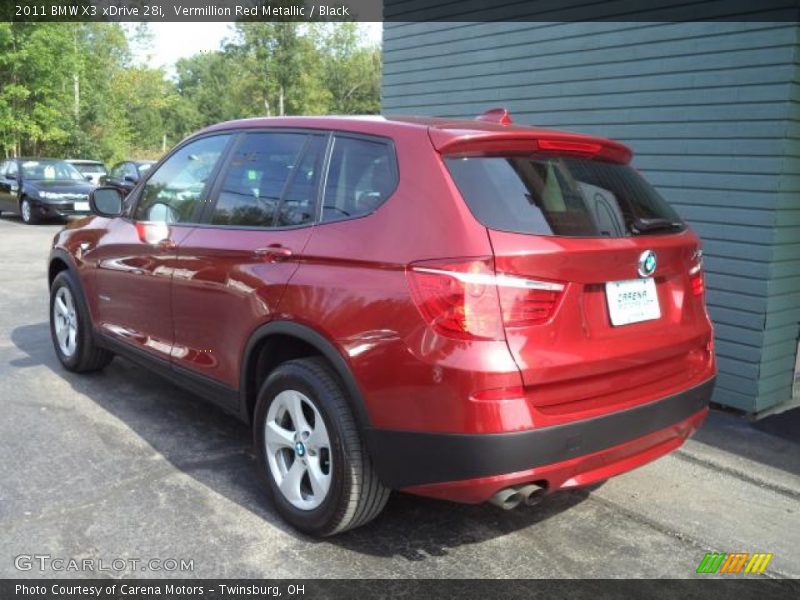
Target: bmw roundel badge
(647, 263)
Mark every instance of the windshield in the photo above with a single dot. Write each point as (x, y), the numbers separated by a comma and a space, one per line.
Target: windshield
(554, 195)
(49, 170)
(90, 169)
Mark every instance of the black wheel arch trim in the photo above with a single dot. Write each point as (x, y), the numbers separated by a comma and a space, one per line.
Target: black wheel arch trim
(64, 256)
(325, 347)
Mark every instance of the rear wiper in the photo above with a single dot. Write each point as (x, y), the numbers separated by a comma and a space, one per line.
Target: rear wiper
(640, 225)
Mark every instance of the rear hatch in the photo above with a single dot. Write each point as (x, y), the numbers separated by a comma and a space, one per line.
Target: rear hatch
(614, 313)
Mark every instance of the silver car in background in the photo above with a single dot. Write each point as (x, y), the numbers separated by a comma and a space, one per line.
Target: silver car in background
(92, 170)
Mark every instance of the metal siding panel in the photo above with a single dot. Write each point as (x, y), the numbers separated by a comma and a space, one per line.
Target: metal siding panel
(647, 41)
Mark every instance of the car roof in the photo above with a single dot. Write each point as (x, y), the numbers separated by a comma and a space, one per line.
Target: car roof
(446, 134)
(84, 161)
(34, 158)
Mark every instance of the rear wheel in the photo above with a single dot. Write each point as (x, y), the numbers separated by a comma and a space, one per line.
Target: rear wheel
(27, 212)
(70, 328)
(318, 470)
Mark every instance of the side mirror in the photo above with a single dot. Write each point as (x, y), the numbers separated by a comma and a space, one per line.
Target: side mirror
(130, 179)
(106, 201)
(11, 177)
(88, 178)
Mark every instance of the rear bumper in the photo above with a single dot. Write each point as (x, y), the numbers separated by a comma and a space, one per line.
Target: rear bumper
(471, 467)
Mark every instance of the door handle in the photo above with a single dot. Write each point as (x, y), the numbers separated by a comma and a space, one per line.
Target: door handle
(273, 252)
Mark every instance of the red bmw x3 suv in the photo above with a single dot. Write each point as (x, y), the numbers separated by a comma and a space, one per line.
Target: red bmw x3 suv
(468, 310)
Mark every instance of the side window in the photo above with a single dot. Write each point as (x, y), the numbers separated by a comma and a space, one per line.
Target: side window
(129, 170)
(116, 171)
(297, 205)
(4, 168)
(361, 176)
(256, 178)
(173, 192)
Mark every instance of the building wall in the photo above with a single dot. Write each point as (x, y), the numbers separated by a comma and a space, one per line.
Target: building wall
(711, 111)
(783, 303)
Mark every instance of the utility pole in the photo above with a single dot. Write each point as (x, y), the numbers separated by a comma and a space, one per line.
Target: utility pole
(76, 81)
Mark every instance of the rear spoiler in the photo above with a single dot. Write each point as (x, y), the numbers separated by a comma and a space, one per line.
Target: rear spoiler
(478, 143)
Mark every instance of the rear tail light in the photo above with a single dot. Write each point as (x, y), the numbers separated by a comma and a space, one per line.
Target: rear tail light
(468, 300)
(697, 283)
(525, 302)
(696, 279)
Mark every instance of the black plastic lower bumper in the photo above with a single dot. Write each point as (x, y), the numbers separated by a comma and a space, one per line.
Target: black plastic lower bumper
(57, 209)
(408, 458)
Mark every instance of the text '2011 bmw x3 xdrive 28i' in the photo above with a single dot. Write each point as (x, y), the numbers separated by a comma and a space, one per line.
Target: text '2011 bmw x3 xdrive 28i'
(467, 310)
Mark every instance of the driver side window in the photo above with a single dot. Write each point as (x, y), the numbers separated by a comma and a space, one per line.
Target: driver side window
(173, 192)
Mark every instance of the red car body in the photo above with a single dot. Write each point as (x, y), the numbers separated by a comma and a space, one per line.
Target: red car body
(564, 399)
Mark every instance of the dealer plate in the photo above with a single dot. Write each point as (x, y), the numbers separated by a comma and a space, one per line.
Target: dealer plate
(632, 301)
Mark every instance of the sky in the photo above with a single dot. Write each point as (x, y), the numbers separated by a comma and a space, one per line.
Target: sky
(172, 41)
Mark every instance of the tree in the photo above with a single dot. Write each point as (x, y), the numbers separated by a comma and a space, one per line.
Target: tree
(351, 71)
(74, 89)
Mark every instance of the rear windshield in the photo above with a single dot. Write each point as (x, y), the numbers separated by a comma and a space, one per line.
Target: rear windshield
(90, 168)
(561, 196)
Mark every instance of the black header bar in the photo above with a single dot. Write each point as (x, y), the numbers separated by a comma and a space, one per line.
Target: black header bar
(399, 10)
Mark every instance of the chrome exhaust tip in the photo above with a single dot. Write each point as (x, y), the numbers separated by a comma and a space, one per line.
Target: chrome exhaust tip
(507, 499)
(532, 493)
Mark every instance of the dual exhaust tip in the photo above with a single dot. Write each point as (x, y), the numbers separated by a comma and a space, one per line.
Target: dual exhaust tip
(511, 497)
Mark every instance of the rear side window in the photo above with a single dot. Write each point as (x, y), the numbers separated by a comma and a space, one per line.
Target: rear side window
(256, 178)
(362, 175)
(561, 196)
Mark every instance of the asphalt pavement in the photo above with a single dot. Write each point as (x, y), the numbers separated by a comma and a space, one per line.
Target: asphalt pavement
(122, 465)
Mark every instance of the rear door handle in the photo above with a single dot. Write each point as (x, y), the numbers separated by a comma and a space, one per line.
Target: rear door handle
(273, 252)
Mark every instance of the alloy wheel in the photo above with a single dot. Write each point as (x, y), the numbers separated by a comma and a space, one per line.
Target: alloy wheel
(298, 449)
(65, 320)
(27, 211)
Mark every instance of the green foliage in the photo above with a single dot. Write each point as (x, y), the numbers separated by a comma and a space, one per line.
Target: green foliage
(74, 89)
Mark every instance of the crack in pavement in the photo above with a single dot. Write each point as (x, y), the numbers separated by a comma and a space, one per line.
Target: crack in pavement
(678, 535)
(737, 474)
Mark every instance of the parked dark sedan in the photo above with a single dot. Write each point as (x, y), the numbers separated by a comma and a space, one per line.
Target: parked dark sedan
(125, 175)
(37, 188)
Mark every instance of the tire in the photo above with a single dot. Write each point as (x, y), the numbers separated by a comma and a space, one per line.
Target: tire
(68, 312)
(351, 495)
(27, 212)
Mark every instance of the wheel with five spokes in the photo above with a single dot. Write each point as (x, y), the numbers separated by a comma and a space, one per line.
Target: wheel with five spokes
(70, 327)
(317, 468)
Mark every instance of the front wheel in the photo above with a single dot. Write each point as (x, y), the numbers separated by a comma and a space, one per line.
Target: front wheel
(28, 213)
(318, 470)
(70, 328)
